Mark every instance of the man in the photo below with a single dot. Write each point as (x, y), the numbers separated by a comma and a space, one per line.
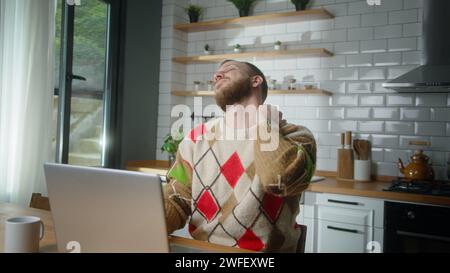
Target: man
(235, 192)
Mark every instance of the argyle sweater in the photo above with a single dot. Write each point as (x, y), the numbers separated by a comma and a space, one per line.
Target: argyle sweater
(236, 194)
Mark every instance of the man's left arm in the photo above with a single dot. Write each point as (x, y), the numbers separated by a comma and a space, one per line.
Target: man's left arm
(287, 169)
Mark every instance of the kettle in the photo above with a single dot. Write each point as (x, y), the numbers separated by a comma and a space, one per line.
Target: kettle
(418, 168)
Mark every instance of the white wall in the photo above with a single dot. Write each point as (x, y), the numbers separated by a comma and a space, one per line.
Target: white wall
(371, 45)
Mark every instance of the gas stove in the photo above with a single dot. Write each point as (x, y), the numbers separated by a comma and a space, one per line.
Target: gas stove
(437, 188)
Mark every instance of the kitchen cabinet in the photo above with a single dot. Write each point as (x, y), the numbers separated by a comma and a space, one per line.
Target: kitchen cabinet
(341, 223)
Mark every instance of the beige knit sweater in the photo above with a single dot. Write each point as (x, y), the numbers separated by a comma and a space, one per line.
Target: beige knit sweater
(237, 195)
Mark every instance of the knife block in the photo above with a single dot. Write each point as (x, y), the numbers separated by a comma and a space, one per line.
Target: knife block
(345, 163)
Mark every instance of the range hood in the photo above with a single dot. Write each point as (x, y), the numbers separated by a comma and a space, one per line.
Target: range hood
(434, 73)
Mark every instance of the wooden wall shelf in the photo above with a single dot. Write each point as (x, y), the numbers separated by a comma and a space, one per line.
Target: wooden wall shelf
(307, 52)
(239, 22)
(309, 92)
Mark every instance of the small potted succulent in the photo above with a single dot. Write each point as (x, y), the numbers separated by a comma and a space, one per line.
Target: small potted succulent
(277, 45)
(300, 4)
(243, 6)
(171, 145)
(237, 48)
(206, 50)
(194, 13)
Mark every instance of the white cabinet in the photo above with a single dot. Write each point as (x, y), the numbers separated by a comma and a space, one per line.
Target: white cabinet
(341, 223)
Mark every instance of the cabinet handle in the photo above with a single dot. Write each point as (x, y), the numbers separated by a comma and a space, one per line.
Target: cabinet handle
(343, 202)
(343, 229)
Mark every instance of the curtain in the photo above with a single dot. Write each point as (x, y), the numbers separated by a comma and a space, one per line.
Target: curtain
(26, 94)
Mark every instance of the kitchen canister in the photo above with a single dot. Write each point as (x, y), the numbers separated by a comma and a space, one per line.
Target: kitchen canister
(362, 170)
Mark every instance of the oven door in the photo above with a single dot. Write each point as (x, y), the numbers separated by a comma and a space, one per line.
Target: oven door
(416, 228)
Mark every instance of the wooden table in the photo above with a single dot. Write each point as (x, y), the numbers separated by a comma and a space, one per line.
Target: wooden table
(48, 243)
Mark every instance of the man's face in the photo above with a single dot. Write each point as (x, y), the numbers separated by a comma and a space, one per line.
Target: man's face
(232, 83)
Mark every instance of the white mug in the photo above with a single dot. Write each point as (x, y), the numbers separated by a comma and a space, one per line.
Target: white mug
(362, 170)
(22, 234)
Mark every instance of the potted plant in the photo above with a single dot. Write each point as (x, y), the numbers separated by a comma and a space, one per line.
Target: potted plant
(277, 45)
(237, 48)
(206, 50)
(171, 146)
(194, 13)
(243, 6)
(300, 4)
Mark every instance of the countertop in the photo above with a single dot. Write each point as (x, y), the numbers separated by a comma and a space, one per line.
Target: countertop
(373, 189)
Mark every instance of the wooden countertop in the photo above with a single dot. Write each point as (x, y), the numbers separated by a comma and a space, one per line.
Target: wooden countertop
(48, 243)
(374, 189)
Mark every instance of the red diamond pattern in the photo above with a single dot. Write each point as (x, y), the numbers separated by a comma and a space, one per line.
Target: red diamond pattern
(250, 241)
(272, 206)
(207, 205)
(232, 169)
(192, 228)
(196, 132)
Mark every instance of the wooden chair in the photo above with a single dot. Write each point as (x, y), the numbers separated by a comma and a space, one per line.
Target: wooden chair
(39, 202)
(302, 240)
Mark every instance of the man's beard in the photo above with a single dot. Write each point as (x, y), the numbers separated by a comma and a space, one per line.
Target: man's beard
(232, 93)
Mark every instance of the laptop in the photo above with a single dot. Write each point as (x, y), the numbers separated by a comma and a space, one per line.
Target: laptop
(105, 210)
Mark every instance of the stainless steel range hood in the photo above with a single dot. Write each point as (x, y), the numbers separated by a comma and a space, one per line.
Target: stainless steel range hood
(434, 73)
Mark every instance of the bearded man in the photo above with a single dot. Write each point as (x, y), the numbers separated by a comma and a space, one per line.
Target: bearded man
(234, 192)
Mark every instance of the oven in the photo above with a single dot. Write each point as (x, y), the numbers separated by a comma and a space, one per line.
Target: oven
(413, 228)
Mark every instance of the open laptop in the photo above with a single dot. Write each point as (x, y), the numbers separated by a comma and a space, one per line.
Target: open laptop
(105, 210)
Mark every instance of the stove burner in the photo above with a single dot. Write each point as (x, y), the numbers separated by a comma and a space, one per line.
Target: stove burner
(439, 188)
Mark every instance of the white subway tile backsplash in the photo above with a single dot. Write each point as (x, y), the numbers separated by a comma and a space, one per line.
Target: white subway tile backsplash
(440, 114)
(392, 155)
(357, 113)
(275, 29)
(326, 164)
(430, 128)
(389, 5)
(386, 59)
(401, 99)
(349, 100)
(412, 57)
(358, 87)
(412, 4)
(396, 71)
(399, 128)
(431, 100)
(295, 101)
(335, 61)
(440, 143)
(346, 48)
(378, 88)
(374, 19)
(404, 16)
(351, 21)
(402, 44)
(372, 74)
(389, 31)
(338, 35)
(342, 126)
(406, 142)
(320, 126)
(372, 100)
(306, 113)
(448, 130)
(331, 113)
(318, 101)
(382, 168)
(415, 114)
(359, 60)
(359, 7)
(323, 151)
(356, 34)
(373, 46)
(377, 154)
(345, 74)
(385, 141)
(334, 87)
(414, 29)
(371, 126)
(386, 113)
(328, 139)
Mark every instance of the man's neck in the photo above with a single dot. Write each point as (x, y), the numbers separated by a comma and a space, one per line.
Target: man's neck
(237, 118)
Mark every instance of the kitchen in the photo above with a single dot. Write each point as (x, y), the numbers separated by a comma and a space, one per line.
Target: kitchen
(376, 94)
(369, 79)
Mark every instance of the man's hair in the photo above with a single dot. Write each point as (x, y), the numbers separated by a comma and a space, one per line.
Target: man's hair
(254, 71)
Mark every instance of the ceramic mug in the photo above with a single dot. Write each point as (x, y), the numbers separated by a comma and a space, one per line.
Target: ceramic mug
(22, 234)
